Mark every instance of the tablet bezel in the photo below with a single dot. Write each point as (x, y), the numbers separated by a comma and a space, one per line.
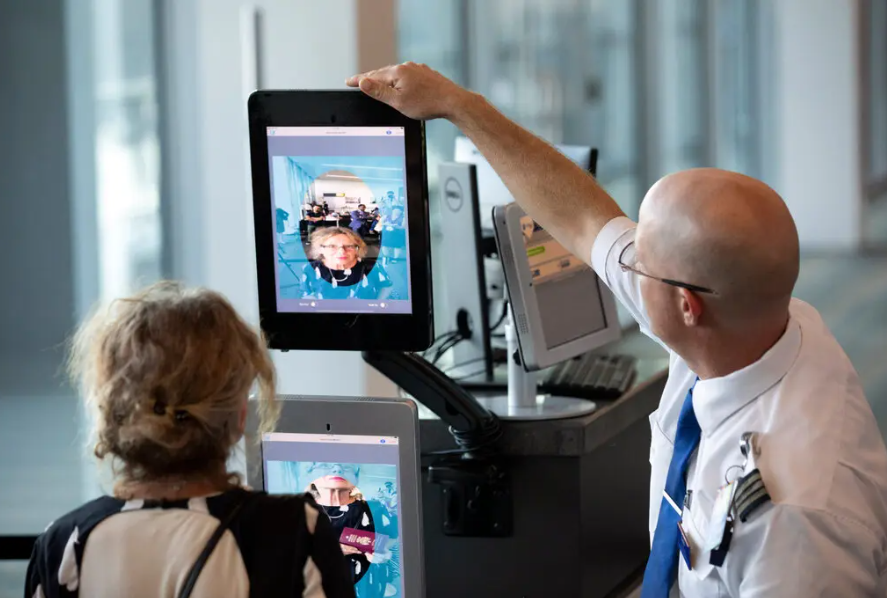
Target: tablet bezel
(360, 417)
(340, 331)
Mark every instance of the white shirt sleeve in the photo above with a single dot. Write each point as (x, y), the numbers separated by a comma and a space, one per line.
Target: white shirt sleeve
(616, 235)
(796, 552)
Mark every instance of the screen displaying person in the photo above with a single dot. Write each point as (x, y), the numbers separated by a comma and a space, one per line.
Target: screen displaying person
(314, 219)
(361, 220)
(391, 227)
(337, 269)
(281, 216)
(335, 490)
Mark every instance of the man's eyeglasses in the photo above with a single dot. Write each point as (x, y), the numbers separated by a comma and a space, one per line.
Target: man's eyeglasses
(629, 263)
(345, 247)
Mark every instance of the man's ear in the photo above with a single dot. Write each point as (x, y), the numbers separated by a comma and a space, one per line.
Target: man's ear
(691, 307)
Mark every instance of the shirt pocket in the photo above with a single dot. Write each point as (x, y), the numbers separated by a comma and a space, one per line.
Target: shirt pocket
(703, 579)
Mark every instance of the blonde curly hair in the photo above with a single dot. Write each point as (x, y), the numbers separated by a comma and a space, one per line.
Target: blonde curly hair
(166, 374)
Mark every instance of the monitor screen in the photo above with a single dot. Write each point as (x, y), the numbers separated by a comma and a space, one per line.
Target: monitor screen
(355, 480)
(559, 277)
(339, 216)
(561, 308)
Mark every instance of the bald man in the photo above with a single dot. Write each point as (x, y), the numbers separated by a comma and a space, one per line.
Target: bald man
(708, 272)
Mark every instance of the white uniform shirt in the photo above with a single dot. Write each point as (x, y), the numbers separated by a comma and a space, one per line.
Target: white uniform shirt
(822, 458)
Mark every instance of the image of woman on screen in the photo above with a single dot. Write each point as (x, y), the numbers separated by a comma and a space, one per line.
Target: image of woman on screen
(337, 268)
(335, 490)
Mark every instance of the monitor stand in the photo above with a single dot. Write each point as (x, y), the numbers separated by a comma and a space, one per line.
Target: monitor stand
(523, 402)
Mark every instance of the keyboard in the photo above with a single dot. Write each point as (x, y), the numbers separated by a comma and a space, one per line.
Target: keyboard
(589, 376)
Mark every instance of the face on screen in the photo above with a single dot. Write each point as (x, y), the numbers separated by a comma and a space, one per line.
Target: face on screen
(354, 481)
(341, 232)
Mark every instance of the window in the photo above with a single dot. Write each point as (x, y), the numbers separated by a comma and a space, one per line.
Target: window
(565, 70)
(127, 146)
(876, 59)
(87, 226)
(736, 86)
(682, 70)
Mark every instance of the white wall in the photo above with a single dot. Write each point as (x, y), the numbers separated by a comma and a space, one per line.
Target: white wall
(818, 136)
(351, 189)
(306, 44)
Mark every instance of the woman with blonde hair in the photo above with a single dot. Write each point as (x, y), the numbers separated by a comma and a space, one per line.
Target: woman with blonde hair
(337, 268)
(167, 374)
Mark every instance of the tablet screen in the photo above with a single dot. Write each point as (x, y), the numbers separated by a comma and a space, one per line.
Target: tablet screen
(355, 481)
(340, 222)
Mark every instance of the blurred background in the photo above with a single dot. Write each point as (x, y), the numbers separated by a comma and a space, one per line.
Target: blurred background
(124, 159)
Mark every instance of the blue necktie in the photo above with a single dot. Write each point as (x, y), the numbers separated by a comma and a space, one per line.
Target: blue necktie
(662, 566)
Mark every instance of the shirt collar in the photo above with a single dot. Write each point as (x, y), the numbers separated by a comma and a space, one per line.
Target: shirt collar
(716, 399)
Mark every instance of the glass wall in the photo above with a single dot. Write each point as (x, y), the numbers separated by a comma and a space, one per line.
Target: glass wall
(876, 57)
(565, 69)
(735, 86)
(85, 225)
(127, 145)
(682, 68)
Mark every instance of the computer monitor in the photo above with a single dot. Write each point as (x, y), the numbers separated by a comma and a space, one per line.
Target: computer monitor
(561, 309)
(491, 190)
(462, 262)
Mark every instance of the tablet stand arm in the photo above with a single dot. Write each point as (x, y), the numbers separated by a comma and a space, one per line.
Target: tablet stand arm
(474, 427)
(475, 487)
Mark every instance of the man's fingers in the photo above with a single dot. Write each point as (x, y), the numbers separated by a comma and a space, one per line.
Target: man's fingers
(388, 74)
(378, 90)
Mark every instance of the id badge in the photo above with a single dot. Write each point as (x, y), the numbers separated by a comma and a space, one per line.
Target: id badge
(719, 515)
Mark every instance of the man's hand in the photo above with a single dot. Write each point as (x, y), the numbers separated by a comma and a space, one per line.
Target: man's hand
(413, 89)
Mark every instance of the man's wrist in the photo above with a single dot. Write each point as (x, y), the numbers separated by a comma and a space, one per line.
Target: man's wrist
(465, 107)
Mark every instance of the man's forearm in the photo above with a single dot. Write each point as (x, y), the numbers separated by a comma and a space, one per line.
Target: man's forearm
(553, 190)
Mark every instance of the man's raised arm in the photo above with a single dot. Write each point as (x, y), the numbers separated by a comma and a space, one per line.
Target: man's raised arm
(554, 191)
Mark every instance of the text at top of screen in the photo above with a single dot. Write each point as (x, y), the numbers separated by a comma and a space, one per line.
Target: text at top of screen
(339, 438)
(336, 131)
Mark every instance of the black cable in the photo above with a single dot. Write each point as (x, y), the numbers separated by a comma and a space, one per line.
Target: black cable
(446, 346)
(463, 364)
(447, 335)
(502, 317)
(441, 337)
(479, 442)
